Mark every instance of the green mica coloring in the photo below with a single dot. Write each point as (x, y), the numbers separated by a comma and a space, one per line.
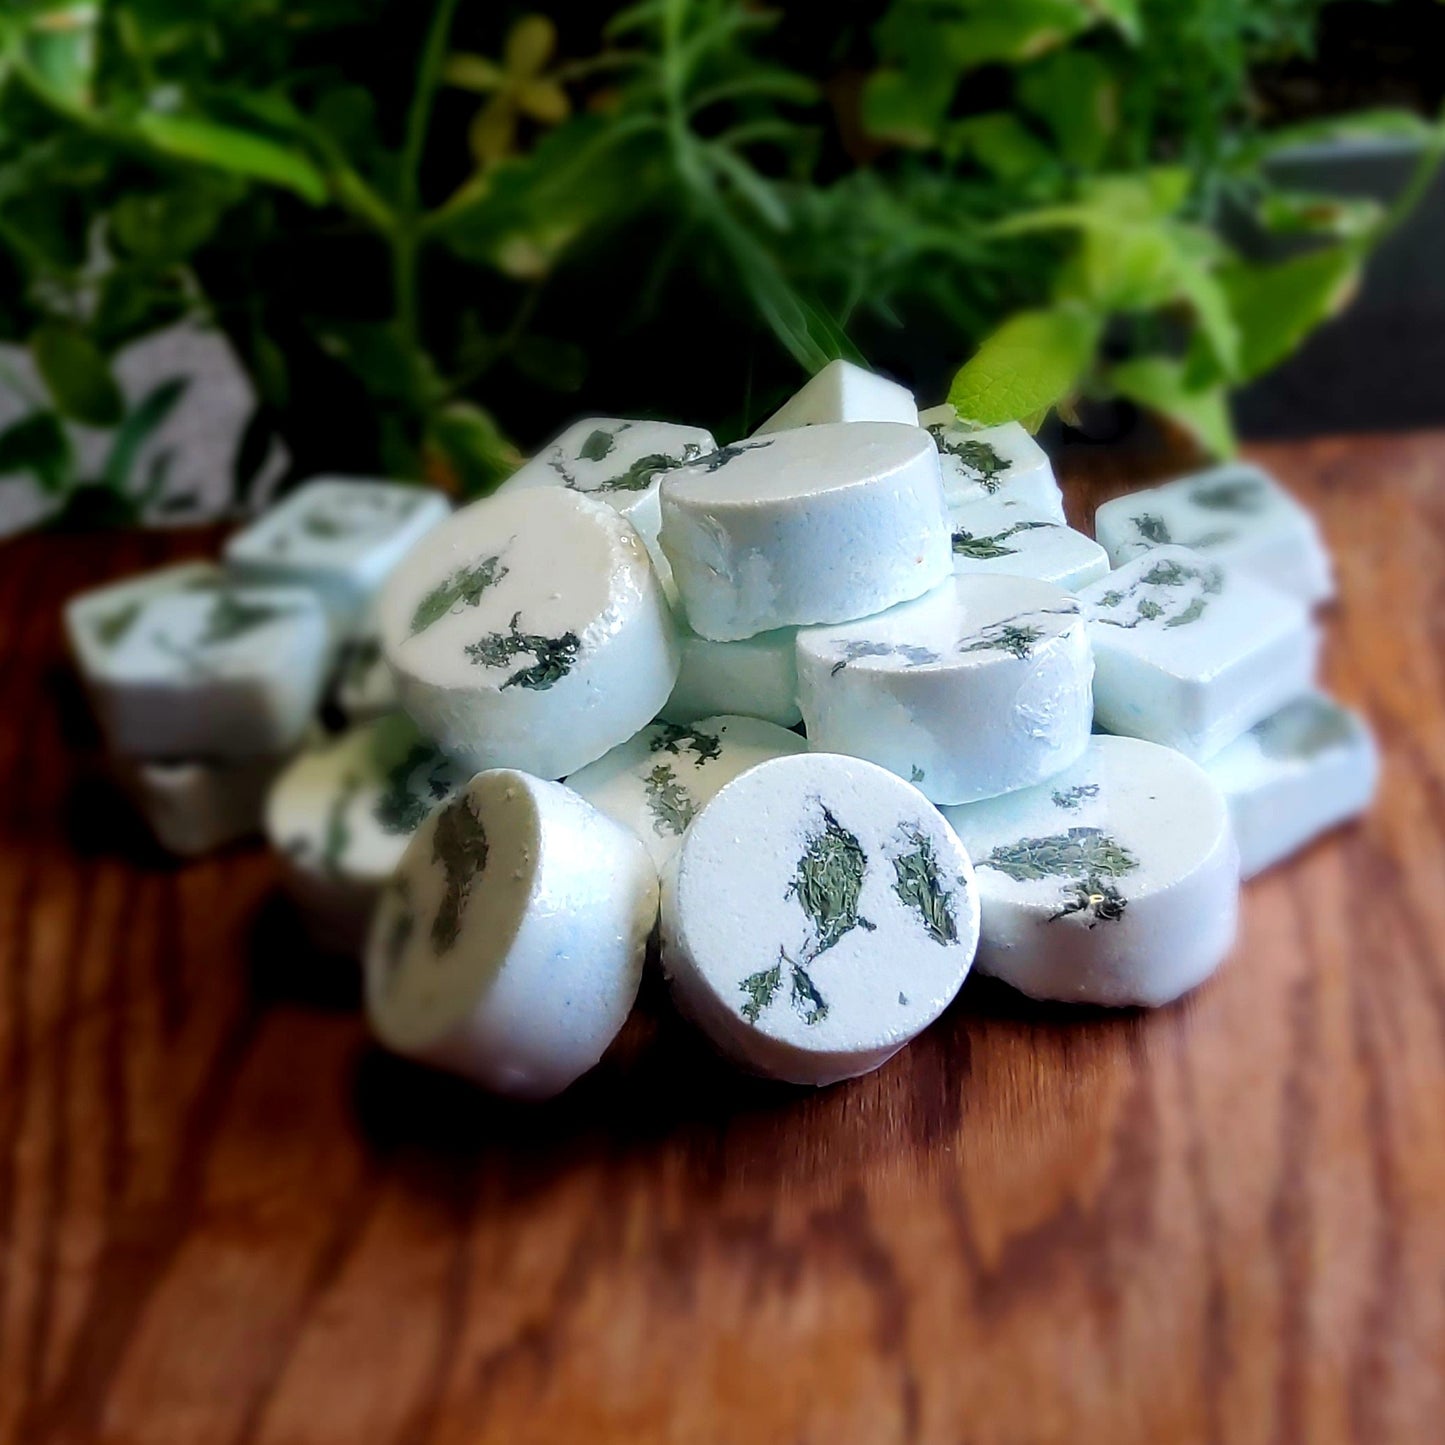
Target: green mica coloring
(668, 801)
(463, 588)
(674, 737)
(987, 548)
(918, 886)
(459, 845)
(555, 656)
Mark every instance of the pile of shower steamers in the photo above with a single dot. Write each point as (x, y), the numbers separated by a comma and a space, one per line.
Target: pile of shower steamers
(571, 710)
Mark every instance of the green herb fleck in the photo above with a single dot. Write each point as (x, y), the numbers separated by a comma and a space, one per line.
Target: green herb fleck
(598, 444)
(111, 627)
(399, 931)
(715, 460)
(1079, 853)
(459, 844)
(987, 548)
(638, 477)
(232, 616)
(674, 737)
(464, 587)
(855, 651)
(1071, 798)
(555, 656)
(325, 526)
(919, 887)
(808, 1002)
(1246, 494)
(828, 882)
(1152, 528)
(1304, 730)
(668, 801)
(402, 806)
(1092, 895)
(915, 773)
(761, 988)
(1192, 613)
(978, 456)
(337, 837)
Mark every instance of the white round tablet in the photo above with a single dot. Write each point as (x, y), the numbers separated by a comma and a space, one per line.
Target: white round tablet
(655, 783)
(819, 914)
(509, 945)
(981, 687)
(1115, 883)
(816, 524)
(530, 631)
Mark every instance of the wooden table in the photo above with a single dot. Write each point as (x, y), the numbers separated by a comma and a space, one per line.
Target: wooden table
(225, 1218)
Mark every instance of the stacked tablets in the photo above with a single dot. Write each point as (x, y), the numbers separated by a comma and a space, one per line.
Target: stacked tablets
(572, 712)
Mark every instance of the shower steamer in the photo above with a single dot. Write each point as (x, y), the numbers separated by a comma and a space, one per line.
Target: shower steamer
(341, 814)
(756, 676)
(509, 945)
(819, 914)
(1001, 463)
(1115, 883)
(616, 461)
(1191, 654)
(979, 687)
(340, 536)
(843, 392)
(817, 524)
(655, 783)
(1234, 514)
(1303, 770)
(530, 631)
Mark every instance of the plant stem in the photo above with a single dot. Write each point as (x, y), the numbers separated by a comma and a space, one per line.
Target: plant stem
(405, 244)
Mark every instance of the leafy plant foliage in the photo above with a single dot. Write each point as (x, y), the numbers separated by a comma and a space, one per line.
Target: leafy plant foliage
(395, 209)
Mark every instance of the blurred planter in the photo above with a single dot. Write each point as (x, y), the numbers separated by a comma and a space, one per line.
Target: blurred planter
(1382, 363)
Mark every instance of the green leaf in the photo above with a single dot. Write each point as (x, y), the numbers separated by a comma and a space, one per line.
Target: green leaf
(1276, 306)
(471, 442)
(38, 446)
(60, 47)
(137, 428)
(1034, 360)
(904, 107)
(1002, 145)
(241, 152)
(1077, 97)
(1020, 30)
(1161, 384)
(76, 374)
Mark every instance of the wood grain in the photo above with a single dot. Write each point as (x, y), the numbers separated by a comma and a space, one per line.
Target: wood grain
(225, 1218)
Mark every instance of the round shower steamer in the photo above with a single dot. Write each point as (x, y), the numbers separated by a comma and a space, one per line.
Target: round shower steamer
(655, 783)
(980, 687)
(1115, 883)
(819, 914)
(530, 630)
(509, 945)
(816, 524)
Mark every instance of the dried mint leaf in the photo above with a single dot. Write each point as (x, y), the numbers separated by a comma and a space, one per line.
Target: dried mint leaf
(598, 444)
(806, 999)
(555, 656)
(1095, 896)
(977, 456)
(1080, 853)
(1243, 495)
(1018, 639)
(723, 455)
(987, 548)
(465, 587)
(638, 477)
(668, 801)
(761, 988)
(111, 627)
(1070, 799)
(459, 844)
(337, 837)
(1303, 730)
(918, 886)
(828, 882)
(231, 617)
(325, 526)
(402, 806)
(1192, 613)
(1152, 528)
(399, 931)
(854, 651)
(674, 737)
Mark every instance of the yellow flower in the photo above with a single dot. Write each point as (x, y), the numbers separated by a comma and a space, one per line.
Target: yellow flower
(520, 85)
